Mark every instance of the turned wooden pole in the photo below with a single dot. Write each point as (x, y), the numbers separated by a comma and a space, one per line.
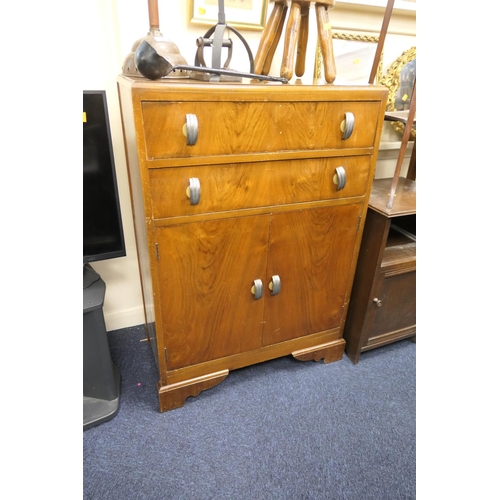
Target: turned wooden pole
(381, 40)
(154, 23)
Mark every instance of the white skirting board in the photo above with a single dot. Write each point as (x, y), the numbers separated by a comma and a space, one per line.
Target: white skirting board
(116, 320)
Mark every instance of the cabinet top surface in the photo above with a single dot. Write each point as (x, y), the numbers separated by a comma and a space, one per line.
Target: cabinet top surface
(311, 89)
(405, 200)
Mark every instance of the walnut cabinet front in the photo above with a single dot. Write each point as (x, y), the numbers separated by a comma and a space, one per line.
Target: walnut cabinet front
(249, 202)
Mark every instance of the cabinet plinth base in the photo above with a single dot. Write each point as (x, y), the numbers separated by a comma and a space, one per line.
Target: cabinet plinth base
(332, 351)
(175, 395)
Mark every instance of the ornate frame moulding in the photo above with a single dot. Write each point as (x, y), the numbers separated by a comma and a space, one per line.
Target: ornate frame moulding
(392, 80)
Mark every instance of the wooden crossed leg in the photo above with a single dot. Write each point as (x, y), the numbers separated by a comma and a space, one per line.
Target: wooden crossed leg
(296, 33)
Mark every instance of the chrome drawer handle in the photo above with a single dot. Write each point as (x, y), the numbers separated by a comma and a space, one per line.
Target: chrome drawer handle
(347, 125)
(190, 129)
(339, 178)
(378, 302)
(257, 289)
(275, 285)
(193, 191)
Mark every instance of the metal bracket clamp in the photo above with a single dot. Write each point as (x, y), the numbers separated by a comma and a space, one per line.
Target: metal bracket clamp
(347, 125)
(201, 43)
(340, 178)
(218, 41)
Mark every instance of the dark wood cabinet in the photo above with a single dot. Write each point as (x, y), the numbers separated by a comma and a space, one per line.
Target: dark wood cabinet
(383, 300)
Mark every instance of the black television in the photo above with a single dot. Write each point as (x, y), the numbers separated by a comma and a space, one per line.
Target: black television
(102, 222)
(102, 239)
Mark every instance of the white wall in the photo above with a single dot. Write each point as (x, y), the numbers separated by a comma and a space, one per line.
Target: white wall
(111, 28)
(102, 63)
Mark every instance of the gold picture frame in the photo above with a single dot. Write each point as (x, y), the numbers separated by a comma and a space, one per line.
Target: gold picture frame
(354, 55)
(399, 79)
(240, 14)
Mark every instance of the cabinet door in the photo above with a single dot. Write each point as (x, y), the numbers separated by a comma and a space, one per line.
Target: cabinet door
(206, 272)
(398, 300)
(312, 253)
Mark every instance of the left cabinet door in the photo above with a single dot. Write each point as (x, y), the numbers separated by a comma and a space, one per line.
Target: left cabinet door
(206, 271)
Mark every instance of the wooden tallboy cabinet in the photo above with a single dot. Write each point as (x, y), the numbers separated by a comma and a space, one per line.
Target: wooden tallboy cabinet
(249, 202)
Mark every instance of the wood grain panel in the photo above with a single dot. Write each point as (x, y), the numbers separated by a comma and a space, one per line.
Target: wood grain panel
(255, 127)
(206, 271)
(248, 185)
(312, 252)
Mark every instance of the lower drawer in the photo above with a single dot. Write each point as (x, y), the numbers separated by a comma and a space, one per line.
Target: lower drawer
(250, 185)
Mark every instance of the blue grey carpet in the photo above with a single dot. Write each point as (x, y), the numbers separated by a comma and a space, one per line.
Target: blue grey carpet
(283, 429)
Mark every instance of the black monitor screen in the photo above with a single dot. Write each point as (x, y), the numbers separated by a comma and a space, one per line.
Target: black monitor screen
(102, 223)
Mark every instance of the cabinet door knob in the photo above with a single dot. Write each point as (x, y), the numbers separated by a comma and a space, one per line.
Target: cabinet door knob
(347, 125)
(257, 289)
(378, 302)
(339, 178)
(275, 285)
(190, 129)
(193, 191)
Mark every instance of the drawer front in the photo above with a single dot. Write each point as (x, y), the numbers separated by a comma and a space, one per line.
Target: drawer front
(251, 185)
(228, 128)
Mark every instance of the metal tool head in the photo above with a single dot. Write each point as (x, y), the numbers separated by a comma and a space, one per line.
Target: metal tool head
(154, 57)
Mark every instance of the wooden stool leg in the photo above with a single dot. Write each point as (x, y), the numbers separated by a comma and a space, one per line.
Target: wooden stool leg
(300, 65)
(272, 50)
(326, 42)
(270, 37)
(291, 37)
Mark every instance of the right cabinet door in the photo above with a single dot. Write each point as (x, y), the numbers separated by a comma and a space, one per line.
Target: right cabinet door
(311, 255)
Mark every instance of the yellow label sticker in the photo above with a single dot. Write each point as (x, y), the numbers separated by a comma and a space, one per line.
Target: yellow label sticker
(405, 97)
(84, 117)
(202, 11)
(356, 61)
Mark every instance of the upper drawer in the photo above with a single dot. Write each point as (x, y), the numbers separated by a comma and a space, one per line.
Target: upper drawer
(251, 185)
(232, 128)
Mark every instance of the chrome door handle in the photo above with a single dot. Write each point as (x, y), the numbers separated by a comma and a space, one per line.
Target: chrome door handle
(190, 129)
(347, 125)
(275, 285)
(339, 178)
(193, 191)
(257, 289)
